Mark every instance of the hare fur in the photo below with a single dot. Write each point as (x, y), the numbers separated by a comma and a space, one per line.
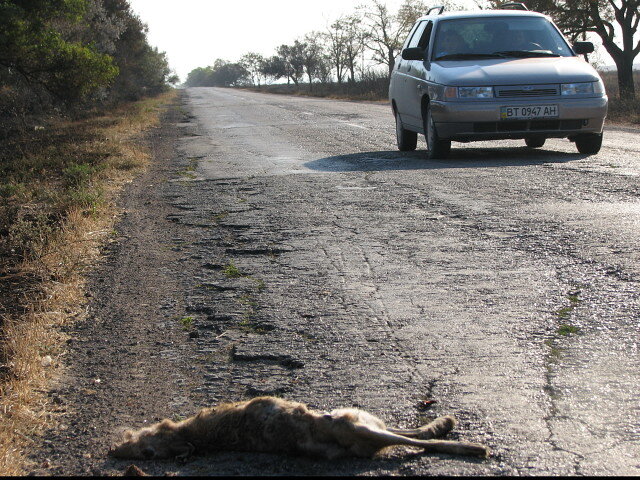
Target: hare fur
(274, 425)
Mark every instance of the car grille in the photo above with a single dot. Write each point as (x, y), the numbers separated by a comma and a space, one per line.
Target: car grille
(527, 126)
(528, 91)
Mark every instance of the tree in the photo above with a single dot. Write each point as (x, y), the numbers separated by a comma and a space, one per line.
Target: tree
(274, 67)
(293, 60)
(388, 31)
(33, 45)
(220, 74)
(199, 77)
(323, 69)
(335, 39)
(608, 19)
(143, 69)
(313, 55)
(353, 42)
(253, 63)
(227, 74)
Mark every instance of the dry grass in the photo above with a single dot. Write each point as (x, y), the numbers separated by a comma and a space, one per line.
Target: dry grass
(57, 188)
(374, 87)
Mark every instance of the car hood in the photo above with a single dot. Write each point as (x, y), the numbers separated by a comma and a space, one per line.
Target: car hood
(511, 71)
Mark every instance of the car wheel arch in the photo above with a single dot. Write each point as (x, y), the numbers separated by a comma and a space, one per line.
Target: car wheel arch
(424, 103)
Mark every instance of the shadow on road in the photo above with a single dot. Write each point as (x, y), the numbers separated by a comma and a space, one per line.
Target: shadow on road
(261, 464)
(459, 158)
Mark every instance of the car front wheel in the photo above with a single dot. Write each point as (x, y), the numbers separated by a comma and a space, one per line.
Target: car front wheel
(436, 148)
(589, 143)
(406, 139)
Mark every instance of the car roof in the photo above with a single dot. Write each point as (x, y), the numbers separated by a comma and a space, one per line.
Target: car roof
(484, 13)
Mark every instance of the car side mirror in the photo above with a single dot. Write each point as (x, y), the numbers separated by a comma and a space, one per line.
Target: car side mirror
(415, 53)
(582, 48)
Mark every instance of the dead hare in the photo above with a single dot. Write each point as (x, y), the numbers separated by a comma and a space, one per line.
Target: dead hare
(274, 425)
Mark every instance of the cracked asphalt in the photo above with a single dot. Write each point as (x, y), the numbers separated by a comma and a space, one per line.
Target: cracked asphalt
(297, 253)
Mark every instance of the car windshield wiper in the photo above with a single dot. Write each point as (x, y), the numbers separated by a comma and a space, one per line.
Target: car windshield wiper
(526, 53)
(469, 56)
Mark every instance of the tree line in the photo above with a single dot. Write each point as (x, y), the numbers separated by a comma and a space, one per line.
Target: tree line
(66, 54)
(354, 45)
(349, 49)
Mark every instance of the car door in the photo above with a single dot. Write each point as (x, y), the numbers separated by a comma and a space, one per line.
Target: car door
(399, 79)
(416, 85)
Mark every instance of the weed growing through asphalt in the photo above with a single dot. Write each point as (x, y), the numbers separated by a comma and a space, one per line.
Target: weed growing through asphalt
(568, 329)
(574, 299)
(247, 321)
(187, 323)
(247, 324)
(259, 283)
(555, 352)
(219, 216)
(231, 271)
(191, 167)
(565, 313)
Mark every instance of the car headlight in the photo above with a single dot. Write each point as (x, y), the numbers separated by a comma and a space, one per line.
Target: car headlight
(578, 88)
(475, 92)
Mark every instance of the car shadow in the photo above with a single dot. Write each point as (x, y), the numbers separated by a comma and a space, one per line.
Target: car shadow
(459, 158)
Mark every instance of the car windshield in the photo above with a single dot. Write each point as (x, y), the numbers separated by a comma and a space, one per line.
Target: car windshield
(498, 37)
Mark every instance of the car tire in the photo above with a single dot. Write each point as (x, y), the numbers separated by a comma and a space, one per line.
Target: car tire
(589, 143)
(535, 142)
(436, 148)
(406, 139)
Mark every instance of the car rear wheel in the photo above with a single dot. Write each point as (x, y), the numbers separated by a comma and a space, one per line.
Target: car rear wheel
(436, 148)
(535, 142)
(589, 143)
(406, 139)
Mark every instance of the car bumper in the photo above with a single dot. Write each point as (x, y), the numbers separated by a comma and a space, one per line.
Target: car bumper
(467, 121)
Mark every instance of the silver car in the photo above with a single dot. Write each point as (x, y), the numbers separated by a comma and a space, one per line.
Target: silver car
(494, 74)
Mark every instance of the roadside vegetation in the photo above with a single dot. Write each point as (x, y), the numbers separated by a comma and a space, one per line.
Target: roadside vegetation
(79, 84)
(353, 57)
(622, 109)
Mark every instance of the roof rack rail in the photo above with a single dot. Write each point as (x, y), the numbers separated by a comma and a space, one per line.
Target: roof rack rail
(513, 6)
(440, 9)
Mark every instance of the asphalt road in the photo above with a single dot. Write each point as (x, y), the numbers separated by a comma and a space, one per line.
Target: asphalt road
(294, 251)
(502, 282)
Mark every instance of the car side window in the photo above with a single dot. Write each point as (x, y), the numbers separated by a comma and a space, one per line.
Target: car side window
(423, 43)
(417, 35)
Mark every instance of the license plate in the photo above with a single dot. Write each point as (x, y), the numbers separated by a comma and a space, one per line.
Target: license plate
(530, 111)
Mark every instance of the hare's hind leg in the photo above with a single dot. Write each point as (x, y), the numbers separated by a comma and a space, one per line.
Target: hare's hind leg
(370, 440)
(436, 429)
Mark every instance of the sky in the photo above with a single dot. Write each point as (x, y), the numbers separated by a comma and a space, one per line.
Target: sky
(194, 33)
